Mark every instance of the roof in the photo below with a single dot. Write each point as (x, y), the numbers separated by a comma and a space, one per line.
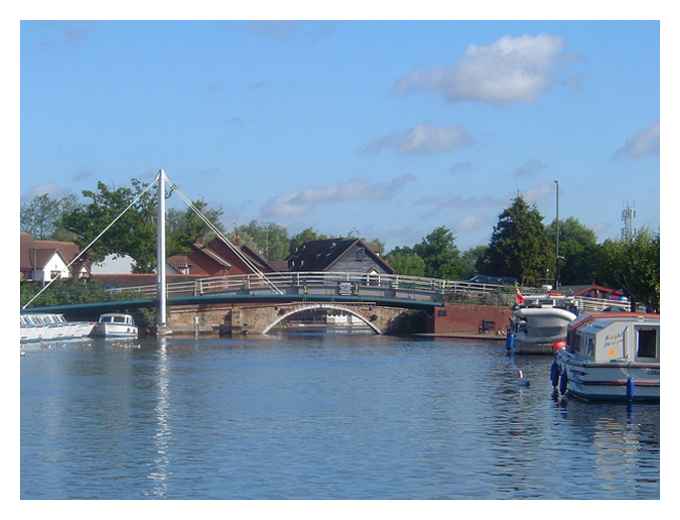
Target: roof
(320, 255)
(34, 254)
(317, 255)
(279, 266)
(580, 290)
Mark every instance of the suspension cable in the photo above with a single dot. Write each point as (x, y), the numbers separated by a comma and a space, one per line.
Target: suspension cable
(92, 243)
(249, 263)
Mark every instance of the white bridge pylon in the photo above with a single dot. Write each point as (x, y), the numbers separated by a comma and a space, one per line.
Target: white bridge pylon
(162, 178)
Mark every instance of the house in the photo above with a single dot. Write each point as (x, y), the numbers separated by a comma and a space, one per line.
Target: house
(338, 254)
(593, 291)
(216, 259)
(44, 260)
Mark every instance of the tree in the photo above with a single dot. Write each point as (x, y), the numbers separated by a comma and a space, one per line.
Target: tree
(633, 265)
(184, 228)
(440, 254)
(134, 234)
(304, 236)
(41, 215)
(405, 262)
(375, 245)
(270, 240)
(519, 246)
(578, 247)
(468, 261)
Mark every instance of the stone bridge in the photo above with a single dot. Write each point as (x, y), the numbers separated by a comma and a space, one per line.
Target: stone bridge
(241, 319)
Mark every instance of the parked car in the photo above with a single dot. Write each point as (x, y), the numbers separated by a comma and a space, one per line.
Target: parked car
(495, 280)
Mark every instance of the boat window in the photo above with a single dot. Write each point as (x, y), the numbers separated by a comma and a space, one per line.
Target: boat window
(646, 347)
(589, 349)
(119, 319)
(106, 319)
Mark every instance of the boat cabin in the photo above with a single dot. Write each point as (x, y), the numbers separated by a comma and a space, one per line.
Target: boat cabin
(633, 339)
(42, 320)
(120, 319)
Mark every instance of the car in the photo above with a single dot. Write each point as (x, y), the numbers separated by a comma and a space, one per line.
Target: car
(493, 280)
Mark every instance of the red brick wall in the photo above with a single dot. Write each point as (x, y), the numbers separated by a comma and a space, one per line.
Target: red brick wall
(467, 318)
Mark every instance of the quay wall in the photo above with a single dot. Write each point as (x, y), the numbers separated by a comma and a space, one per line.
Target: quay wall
(467, 318)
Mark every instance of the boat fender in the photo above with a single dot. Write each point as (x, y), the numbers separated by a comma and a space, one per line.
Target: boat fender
(563, 382)
(554, 374)
(630, 388)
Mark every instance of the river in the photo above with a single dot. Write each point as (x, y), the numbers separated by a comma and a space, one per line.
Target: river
(319, 417)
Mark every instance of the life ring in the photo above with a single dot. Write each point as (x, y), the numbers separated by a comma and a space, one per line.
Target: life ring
(563, 382)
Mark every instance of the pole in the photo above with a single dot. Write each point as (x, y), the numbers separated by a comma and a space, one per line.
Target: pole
(557, 234)
(160, 254)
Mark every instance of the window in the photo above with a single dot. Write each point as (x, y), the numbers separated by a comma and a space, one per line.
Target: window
(119, 319)
(646, 343)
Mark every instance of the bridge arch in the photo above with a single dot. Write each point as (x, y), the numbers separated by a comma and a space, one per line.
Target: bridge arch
(348, 310)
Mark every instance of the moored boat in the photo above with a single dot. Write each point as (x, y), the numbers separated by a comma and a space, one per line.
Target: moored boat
(48, 327)
(610, 356)
(116, 326)
(539, 324)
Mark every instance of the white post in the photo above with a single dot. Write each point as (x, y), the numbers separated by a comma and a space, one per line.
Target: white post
(160, 254)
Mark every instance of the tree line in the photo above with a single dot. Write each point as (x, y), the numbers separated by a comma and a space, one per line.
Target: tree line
(521, 245)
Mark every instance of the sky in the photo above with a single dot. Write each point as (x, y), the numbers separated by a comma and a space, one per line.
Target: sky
(383, 129)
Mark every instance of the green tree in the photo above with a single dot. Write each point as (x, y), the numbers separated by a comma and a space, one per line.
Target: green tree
(440, 254)
(632, 265)
(406, 262)
(268, 239)
(134, 234)
(305, 235)
(468, 261)
(578, 249)
(519, 246)
(41, 215)
(184, 227)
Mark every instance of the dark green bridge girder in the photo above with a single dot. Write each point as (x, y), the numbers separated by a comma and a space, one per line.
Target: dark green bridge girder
(206, 299)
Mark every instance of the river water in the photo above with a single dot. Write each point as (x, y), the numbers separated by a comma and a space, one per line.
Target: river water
(319, 417)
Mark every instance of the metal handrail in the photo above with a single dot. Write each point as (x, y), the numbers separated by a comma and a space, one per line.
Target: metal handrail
(322, 279)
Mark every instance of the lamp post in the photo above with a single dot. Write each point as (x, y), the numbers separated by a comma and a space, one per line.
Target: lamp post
(557, 234)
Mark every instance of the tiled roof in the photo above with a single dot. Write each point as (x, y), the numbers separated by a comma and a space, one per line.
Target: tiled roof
(317, 255)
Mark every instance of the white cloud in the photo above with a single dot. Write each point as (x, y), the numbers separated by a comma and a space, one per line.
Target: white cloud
(644, 142)
(529, 168)
(511, 69)
(300, 202)
(421, 139)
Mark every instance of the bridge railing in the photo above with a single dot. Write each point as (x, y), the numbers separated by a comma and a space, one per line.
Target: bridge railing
(355, 283)
(338, 281)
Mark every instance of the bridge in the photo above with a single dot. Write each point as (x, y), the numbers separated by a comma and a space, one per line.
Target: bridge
(254, 304)
(258, 302)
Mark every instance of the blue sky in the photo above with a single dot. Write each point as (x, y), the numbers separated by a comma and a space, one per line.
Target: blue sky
(388, 128)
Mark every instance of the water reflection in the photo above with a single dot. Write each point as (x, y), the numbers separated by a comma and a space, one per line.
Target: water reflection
(162, 436)
(333, 417)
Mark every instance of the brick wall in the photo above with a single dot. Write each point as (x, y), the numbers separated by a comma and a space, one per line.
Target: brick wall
(466, 318)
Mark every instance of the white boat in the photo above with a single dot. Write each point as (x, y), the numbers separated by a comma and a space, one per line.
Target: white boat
(610, 356)
(49, 327)
(539, 324)
(116, 326)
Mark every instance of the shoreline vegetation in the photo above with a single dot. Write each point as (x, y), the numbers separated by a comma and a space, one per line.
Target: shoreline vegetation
(521, 246)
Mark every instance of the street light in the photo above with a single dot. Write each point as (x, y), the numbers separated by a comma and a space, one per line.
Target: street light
(557, 234)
